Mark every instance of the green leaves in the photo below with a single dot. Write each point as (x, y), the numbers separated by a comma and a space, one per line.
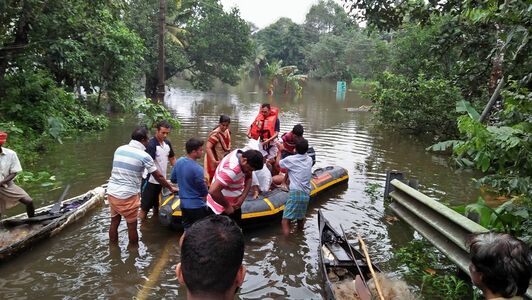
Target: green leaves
(152, 113)
(465, 106)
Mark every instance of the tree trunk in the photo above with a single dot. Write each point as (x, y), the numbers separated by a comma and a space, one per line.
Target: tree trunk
(19, 43)
(160, 85)
(150, 88)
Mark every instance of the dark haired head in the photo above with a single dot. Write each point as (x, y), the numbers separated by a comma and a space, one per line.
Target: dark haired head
(267, 105)
(504, 262)
(301, 146)
(211, 255)
(140, 134)
(254, 158)
(193, 144)
(164, 124)
(224, 119)
(298, 130)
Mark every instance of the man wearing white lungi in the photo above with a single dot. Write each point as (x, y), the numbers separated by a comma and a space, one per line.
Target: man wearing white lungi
(10, 193)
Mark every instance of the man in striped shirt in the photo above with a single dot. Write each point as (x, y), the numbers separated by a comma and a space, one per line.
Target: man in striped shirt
(123, 190)
(232, 182)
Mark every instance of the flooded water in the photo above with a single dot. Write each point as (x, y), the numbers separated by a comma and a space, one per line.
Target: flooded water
(79, 264)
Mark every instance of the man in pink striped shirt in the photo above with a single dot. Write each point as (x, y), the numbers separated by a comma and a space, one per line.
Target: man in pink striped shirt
(232, 182)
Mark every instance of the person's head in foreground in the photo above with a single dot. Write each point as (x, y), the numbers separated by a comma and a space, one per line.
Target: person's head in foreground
(211, 259)
(501, 265)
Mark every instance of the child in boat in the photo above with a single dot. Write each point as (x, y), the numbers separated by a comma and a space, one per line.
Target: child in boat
(261, 181)
(299, 173)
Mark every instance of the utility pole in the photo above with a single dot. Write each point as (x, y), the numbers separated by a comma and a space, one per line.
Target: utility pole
(160, 67)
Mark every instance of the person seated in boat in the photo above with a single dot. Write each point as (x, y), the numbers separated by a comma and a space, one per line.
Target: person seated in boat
(160, 149)
(218, 145)
(289, 140)
(501, 265)
(10, 193)
(188, 175)
(123, 189)
(299, 172)
(212, 251)
(261, 181)
(232, 182)
(265, 128)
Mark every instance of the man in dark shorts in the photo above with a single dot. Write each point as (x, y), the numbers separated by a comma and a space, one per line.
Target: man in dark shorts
(188, 175)
(160, 149)
(211, 266)
(10, 193)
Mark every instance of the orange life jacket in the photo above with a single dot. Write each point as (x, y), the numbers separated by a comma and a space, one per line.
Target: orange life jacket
(264, 127)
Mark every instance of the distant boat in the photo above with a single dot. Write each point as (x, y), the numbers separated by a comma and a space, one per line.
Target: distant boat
(19, 233)
(265, 209)
(339, 267)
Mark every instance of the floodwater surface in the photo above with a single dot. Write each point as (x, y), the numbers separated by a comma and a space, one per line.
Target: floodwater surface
(79, 263)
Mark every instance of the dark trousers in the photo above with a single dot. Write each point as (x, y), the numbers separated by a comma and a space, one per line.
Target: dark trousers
(235, 216)
(192, 215)
(150, 195)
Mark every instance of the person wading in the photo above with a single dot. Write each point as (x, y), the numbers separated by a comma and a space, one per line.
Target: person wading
(160, 150)
(188, 174)
(10, 193)
(232, 182)
(123, 190)
(217, 147)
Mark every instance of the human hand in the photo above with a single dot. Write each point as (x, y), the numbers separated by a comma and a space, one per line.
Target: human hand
(229, 210)
(173, 189)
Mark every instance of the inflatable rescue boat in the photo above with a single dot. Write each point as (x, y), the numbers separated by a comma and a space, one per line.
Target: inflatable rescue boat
(266, 207)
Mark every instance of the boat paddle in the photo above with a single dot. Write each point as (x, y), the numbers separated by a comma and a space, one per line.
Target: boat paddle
(370, 265)
(361, 285)
(57, 206)
(53, 213)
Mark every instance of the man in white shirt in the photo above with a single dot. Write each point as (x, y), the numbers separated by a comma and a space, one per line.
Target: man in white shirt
(160, 149)
(10, 193)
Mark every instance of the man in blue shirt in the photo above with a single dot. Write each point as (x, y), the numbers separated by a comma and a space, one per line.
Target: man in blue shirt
(188, 175)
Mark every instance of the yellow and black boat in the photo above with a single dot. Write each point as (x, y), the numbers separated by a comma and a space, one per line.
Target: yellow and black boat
(267, 207)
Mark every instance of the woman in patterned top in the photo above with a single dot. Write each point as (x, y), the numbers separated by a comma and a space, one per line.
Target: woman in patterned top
(218, 145)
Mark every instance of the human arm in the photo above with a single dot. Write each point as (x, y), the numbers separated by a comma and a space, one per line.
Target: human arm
(216, 194)
(276, 134)
(210, 153)
(171, 154)
(242, 198)
(160, 178)
(248, 133)
(8, 178)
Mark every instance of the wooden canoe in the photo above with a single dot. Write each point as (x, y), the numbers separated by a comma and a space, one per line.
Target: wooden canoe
(339, 268)
(19, 232)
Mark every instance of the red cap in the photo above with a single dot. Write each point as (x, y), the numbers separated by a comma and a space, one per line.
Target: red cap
(3, 137)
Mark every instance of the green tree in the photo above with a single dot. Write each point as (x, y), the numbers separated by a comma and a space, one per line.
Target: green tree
(284, 40)
(327, 17)
(205, 41)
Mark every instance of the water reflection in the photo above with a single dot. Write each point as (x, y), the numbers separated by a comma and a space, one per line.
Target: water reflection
(80, 264)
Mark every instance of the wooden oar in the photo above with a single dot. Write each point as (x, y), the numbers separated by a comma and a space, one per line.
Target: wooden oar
(361, 285)
(370, 265)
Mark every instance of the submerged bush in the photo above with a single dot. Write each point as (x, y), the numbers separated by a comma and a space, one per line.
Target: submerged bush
(420, 105)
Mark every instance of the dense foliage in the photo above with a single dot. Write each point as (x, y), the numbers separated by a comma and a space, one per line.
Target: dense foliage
(328, 45)
(203, 42)
(62, 62)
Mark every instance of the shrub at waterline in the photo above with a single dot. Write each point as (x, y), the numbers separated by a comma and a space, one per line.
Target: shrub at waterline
(420, 105)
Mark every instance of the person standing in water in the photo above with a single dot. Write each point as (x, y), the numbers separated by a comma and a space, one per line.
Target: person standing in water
(218, 145)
